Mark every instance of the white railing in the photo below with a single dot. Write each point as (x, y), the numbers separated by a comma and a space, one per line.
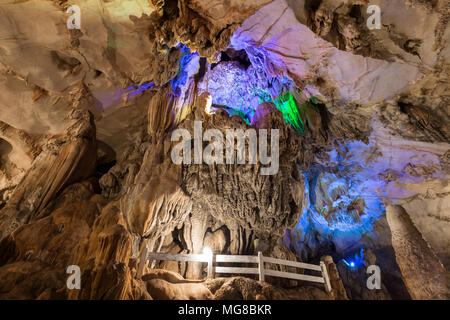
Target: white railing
(211, 259)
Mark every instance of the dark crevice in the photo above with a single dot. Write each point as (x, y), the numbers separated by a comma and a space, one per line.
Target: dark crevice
(234, 55)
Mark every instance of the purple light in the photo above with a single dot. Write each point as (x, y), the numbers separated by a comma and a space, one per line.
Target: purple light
(141, 88)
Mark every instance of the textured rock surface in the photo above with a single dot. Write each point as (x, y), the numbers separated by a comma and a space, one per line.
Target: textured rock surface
(63, 161)
(247, 205)
(343, 23)
(43, 246)
(86, 117)
(426, 278)
(240, 288)
(338, 289)
(342, 74)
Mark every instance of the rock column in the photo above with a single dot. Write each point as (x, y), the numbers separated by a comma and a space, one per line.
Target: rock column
(422, 272)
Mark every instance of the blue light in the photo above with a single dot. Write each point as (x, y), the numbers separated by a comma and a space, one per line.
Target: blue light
(240, 90)
(139, 89)
(350, 264)
(356, 260)
(182, 75)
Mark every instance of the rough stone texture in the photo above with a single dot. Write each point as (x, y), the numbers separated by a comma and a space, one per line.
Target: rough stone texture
(421, 112)
(43, 247)
(356, 286)
(423, 273)
(246, 204)
(337, 288)
(43, 62)
(65, 160)
(163, 290)
(240, 288)
(341, 74)
(17, 149)
(343, 23)
(169, 286)
(262, 199)
(86, 175)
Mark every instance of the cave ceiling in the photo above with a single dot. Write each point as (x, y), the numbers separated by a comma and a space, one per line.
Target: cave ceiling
(85, 114)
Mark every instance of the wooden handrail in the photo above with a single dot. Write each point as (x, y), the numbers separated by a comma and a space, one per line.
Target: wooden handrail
(292, 263)
(259, 259)
(236, 270)
(294, 276)
(235, 258)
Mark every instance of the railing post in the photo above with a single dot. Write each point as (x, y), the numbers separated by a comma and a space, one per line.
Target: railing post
(210, 265)
(325, 276)
(142, 261)
(260, 266)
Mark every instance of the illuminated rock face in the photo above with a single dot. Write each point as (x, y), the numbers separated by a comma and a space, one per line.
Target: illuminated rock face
(426, 277)
(86, 117)
(304, 56)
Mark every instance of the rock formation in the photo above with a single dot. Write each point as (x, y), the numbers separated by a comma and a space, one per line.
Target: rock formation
(91, 120)
(426, 278)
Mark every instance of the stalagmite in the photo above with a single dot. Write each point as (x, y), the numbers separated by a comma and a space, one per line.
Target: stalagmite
(423, 273)
(68, 159)
(266, 130)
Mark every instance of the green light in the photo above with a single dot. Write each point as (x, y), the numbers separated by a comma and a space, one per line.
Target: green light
(293, 112)
(286, 103)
